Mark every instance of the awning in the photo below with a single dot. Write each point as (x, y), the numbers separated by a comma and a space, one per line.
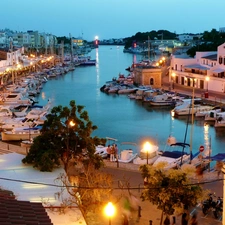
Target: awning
(219, 70)
(196, 66)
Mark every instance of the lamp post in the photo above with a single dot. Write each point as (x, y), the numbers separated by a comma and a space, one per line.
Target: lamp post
(109, 211)
(173, 77)
(69, 124)
(207, 82)
(147, 148)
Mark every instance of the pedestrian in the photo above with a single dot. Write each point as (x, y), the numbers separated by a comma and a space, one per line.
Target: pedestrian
(116, 152)
(193, 220)
(218, 167)
(167, 220)
(184, 219)
(112, 154)
(199, 173)
(108, 150)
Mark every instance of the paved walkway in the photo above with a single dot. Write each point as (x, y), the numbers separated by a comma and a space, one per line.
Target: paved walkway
(9, 148)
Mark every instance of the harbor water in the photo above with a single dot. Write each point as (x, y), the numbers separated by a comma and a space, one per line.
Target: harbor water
(119, 117)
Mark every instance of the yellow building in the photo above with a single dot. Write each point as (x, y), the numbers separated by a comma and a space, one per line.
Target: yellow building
(148, 75)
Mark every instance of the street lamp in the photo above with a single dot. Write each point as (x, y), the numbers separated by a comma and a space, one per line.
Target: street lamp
(147, 148)
(207, 81)
(109, 211)
(69, 124)
(173, 77)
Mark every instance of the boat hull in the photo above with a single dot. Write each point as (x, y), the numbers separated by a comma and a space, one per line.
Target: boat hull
(9, 136)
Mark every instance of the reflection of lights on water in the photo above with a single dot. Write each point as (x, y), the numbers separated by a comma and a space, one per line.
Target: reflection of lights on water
(43, 95)
(134, 59)
(206, 136)
(97, 68)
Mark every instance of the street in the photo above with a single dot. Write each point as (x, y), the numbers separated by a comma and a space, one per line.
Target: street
(124, 178)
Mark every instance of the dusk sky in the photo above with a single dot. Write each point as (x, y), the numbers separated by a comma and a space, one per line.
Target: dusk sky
(111, 18)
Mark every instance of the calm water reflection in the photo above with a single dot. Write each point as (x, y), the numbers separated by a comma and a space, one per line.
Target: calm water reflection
(118, 116)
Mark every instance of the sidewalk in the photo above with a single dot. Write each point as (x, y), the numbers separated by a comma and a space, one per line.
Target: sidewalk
(6, 148)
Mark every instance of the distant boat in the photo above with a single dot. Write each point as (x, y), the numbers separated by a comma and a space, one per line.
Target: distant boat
(163, 100)
(90, 62)
(185, 108)
(127, 155)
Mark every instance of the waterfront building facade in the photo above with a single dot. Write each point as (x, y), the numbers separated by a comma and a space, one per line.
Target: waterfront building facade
(148, 75)
(206, 71)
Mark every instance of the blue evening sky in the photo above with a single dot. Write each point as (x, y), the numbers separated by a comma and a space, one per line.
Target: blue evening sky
(111, 18)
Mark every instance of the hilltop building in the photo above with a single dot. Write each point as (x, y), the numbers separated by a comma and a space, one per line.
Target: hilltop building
(206, 71)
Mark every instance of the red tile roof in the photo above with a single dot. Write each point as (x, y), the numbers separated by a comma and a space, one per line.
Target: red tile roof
(17, 212)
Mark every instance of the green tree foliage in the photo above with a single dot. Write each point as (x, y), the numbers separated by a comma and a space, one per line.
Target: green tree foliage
(170, 190)
(65, 39)
(66, 134)
(208, 42)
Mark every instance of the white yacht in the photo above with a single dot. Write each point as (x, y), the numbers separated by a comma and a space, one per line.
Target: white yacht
(175, 156)
(18, 134)
(188, 108)
(14, 99)
(152, 156)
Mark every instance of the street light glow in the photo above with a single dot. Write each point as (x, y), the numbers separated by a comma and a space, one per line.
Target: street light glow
(109, 209)
(71, 123)
(147, 148)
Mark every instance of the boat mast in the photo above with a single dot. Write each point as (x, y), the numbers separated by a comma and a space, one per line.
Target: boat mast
(62, 51)
(71, 49)
(192, 122)
(148, 49)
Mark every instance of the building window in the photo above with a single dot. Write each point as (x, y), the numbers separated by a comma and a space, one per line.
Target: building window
(151, 81)
(223, 61)
(220, 60)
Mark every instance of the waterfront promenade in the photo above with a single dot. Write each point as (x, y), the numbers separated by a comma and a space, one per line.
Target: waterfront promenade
(213, 97)
(127, 175)
(130, 171)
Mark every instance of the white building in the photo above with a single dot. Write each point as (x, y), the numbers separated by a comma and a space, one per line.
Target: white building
(222, 29)
(206, 71)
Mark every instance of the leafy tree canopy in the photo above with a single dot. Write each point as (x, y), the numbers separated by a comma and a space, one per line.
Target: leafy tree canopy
(142, 37)
(169, 190)
(66, 134)
(208, 42)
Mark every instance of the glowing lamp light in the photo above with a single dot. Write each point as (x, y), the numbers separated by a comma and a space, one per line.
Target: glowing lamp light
(110, 211)
(96, 37)
(147, 148)
(72, 124)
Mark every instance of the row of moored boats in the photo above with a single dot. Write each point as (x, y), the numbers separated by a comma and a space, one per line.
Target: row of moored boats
(21, 118)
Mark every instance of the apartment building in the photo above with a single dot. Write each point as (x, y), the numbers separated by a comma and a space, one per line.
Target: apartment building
(206, 71)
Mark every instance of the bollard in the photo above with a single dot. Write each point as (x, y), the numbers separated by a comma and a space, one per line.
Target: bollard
(150, 222)
(139, 211)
